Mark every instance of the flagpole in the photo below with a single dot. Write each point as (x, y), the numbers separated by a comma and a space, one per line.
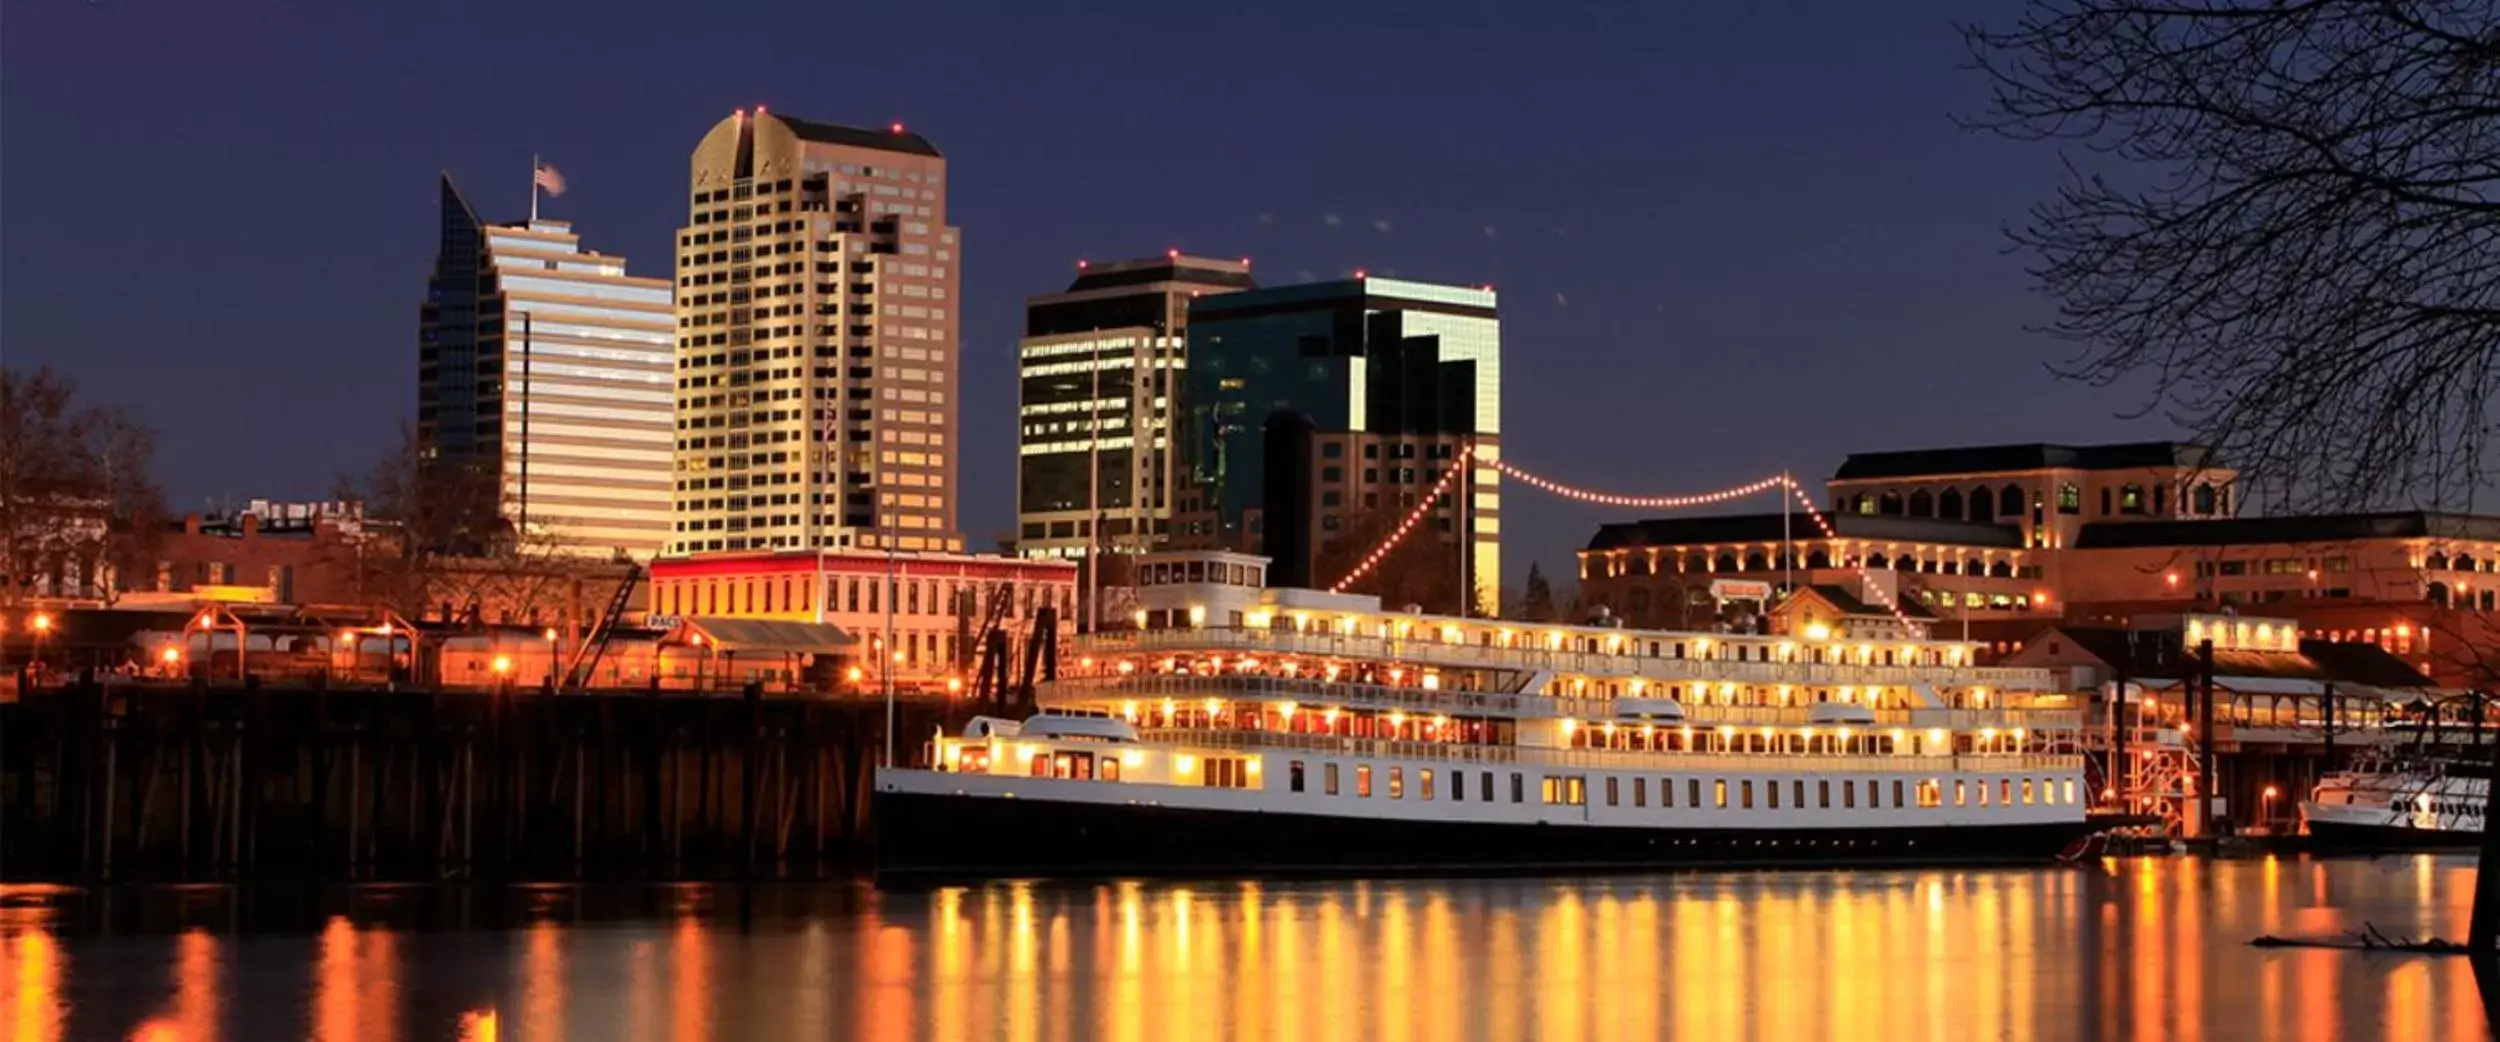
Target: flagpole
(533, 188)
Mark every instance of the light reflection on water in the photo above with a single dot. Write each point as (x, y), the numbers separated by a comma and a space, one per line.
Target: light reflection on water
(2124, 949)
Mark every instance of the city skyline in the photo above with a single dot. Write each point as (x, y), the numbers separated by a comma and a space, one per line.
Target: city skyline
(1690, 251)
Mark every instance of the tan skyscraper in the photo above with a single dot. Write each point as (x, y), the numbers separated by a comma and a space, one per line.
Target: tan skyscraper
(817, 353)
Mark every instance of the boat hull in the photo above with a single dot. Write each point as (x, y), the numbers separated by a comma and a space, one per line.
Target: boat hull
(936, 834)
(2341, 835)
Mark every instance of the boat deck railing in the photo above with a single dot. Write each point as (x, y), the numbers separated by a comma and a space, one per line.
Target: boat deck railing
(1626, 663)
(1317, 692)
(1616, 759)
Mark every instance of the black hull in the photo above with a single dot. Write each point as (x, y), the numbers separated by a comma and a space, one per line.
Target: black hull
(956, 836)
(2326, 835)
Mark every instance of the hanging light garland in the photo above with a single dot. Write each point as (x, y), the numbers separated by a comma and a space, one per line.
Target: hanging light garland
(1698, 499)
(1413, 517)
(1824, 524)
(1784, 483)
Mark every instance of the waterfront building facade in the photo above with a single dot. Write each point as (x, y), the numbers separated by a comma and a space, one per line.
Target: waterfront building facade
(544, 370)
(818, 283)
(2082, 535)
(939, 604)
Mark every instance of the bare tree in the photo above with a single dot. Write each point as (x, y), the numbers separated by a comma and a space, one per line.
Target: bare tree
(77, 501)
(2282, 223)
(454, 549)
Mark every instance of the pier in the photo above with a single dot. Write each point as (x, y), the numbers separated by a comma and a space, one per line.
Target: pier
(112, 780)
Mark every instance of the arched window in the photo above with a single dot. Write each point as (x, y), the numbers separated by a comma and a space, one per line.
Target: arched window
(1952, 567)
(2069, 499)
(2010, 502)
(2439, 594)
(2002, 569)
(2202, 499)
(1888, 504)
(1949, 503)
(1636, 564)
(1983, 504)
(1756, 562)
(1726, 561)
(1878, 561)
(1922, 504)
(2161, 499)
(1905, 563)
(2131, 498)
(1866, 503)
(2438, 563)
(2463, 563)
(1819, 558)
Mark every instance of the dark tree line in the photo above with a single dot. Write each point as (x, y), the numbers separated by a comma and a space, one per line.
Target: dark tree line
(80, 511)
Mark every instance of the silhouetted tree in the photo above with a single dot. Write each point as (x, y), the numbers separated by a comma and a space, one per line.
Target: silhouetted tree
(77, 501)
(1537, 604)
(2284, 225)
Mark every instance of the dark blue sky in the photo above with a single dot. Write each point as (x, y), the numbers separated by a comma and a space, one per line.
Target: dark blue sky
(1729, 238)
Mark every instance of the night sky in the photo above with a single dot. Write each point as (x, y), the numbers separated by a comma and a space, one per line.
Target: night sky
(1729, 238)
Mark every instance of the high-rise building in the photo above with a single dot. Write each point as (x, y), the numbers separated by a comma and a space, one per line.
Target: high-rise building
(1377, 385)
(546, 366)
(817, 296)
(1100, 364)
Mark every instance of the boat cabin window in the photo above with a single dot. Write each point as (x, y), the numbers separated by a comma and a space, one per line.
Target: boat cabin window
(1110, 768)
(1363, 781)
(1484, 788)
(1425, 779)
(1518, 787)
(1848, 794)
(1329, 772)
(1293, 776)
(1718, 790)
(1397, 783)
(1823, 794)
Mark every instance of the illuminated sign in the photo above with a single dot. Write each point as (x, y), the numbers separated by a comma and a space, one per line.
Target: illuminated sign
(2244, 634)
(1740, 590)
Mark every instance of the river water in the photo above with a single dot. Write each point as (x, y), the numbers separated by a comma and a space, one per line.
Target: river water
(2150, 948)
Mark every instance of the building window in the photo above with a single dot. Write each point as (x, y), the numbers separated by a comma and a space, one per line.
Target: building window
(1922, 504)
(2131, 499)
(2201, 501)
(2069, 499)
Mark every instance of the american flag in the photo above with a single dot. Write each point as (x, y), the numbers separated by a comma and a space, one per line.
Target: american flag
(546, 177)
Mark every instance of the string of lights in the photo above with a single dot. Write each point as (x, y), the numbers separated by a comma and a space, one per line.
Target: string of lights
(1413, 517)
(1824, 525)
(1697, 499)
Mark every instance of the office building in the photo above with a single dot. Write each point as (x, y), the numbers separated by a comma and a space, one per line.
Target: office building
(1375, 385)
(817, 294)
(547, 367)
(1100, 366)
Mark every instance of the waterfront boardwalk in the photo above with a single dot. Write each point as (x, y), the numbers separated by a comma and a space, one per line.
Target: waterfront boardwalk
(112, 780)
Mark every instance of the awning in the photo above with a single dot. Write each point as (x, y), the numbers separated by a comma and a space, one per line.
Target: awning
(771, 636)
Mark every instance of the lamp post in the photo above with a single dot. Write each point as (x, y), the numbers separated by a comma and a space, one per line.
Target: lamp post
(42, 623)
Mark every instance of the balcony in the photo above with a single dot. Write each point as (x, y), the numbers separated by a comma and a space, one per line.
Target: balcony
(1568, 663)
(1608, 759)
(1315, 692)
